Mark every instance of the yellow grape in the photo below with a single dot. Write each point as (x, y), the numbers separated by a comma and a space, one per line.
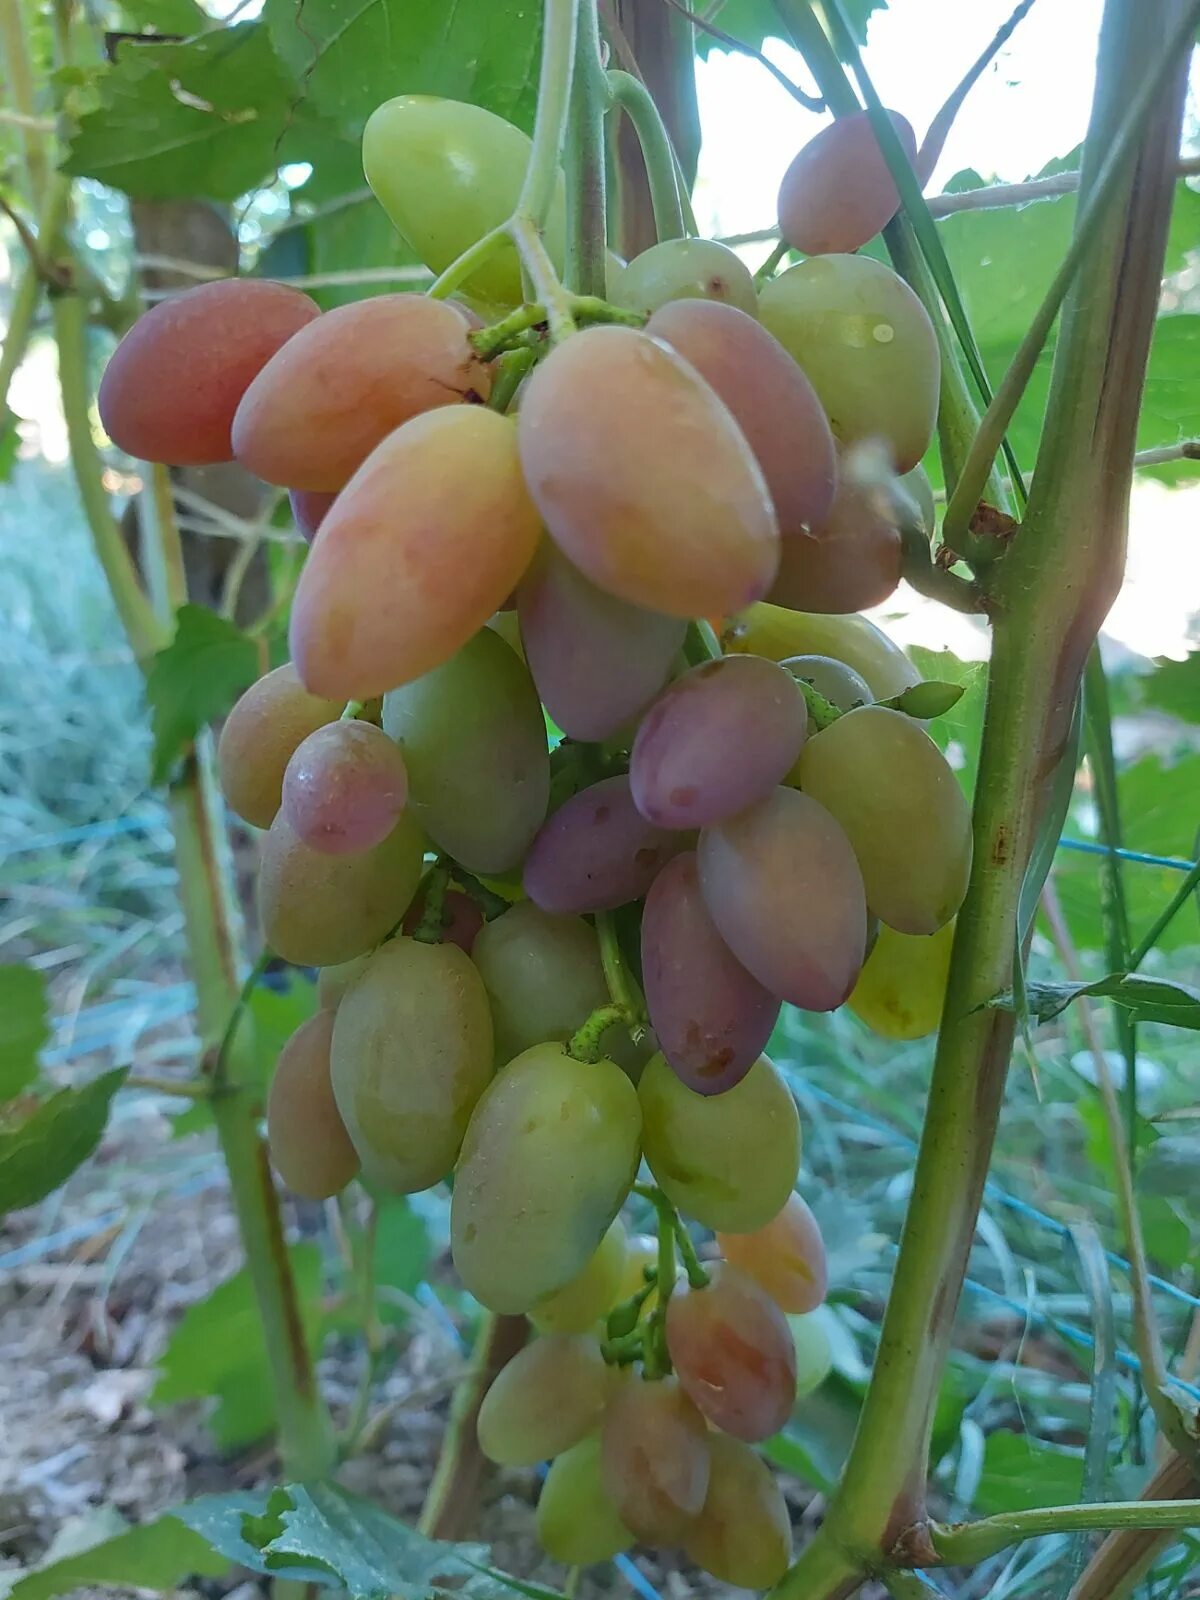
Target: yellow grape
(743, 1535)
(332, 982)
(550, 1155)
(310, 1148)
(728, 1160)
(881, 775)
(447, 172)
(776, 632)
(412, 1053)
(319, 407)
(786, 1257)
(839, 191)
(423, 544)
(577, 1523)
(654, 1459)
(547, 1397)
(580, 1304)
(866, 345)
(260, 734)
(902, 987)
(319, 910)
(643, 478)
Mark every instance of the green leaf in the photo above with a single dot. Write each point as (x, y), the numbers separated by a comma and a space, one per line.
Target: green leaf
(238, 1524)
(931, 698)
(165, 16)
(195, 678)
(402, 1252)
(1159, 818)
(157, 1555)
(957, 731)
(1146, 999)
(1020, 1473)
(219, 1350)
(24, 1027)
(39, 1154)
(753, 21)
(1173, 687)
(349, 60)
(181, 120)
(10, 441)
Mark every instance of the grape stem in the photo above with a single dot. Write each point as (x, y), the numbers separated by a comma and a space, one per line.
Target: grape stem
(633, 97)
(697, 1277)
(433, 914)
(584, 1043)
(503, 335)
(623, 987)
(585, 271)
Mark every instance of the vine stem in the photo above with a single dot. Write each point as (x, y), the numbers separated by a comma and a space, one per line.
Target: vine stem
(585, 270)
(635, 100)
(975, 1541)
(1052, 590)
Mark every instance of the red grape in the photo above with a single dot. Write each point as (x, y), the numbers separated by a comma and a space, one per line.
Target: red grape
(344, 788)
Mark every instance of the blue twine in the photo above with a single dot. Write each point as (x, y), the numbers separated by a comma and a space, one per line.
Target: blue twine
(993, 1191)
(1175, 862)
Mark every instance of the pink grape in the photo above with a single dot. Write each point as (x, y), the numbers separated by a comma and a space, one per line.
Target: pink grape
(344, 788)
(732, 1349)
(839, 191)
(786, 1258)
(596, 660)
(711, 1017)
(783, 886)
(718, 739)
(308, 509)
(654, 1459)
(596, 852)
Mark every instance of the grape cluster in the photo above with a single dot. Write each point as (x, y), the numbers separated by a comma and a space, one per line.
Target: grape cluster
(724, 825)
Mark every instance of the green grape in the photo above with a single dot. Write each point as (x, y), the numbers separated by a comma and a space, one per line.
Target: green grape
(743, 1535)
(319, 910)
(684, 269)
(412, 1054)
(883, 778)
(776, 632)
(577, 1523)
(549, 1157)
(542, 973)
(902, 987)
(548, 1396)
(654, 1459)
(580, 1304)
(310, 1148)
(259, 737)
(728, 1160)
(446, 173)
(474, 744)
(814, 1353)
(867, 346)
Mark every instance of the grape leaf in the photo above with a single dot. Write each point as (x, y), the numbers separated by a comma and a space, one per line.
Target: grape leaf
(165, 16)
(24, 1027)
(1173, 687)
(1020, 1473)
(932, 697)
(753, 21)
(219, 1350)
(40, 1153)
(195, 678)
(156, 1555)
(348, 60)
(1146, 999)
(197, 119)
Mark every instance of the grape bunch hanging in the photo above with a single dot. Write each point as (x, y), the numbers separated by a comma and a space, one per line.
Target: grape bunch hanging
(583, 766)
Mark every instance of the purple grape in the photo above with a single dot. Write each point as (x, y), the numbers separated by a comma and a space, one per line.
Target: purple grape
(596, 852)
(717, 740)
(782, 884)
(596, 660)
(344, 788)
(308, 509)
(712, 1018)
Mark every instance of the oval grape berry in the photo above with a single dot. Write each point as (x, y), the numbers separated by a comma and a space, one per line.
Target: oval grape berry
(684, 269)
(344, 788)
(310, 1148)
(546, 1399)
(839, 191)
(596, 852)
(654, 1459)
(786, 1258)
(259, 738)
